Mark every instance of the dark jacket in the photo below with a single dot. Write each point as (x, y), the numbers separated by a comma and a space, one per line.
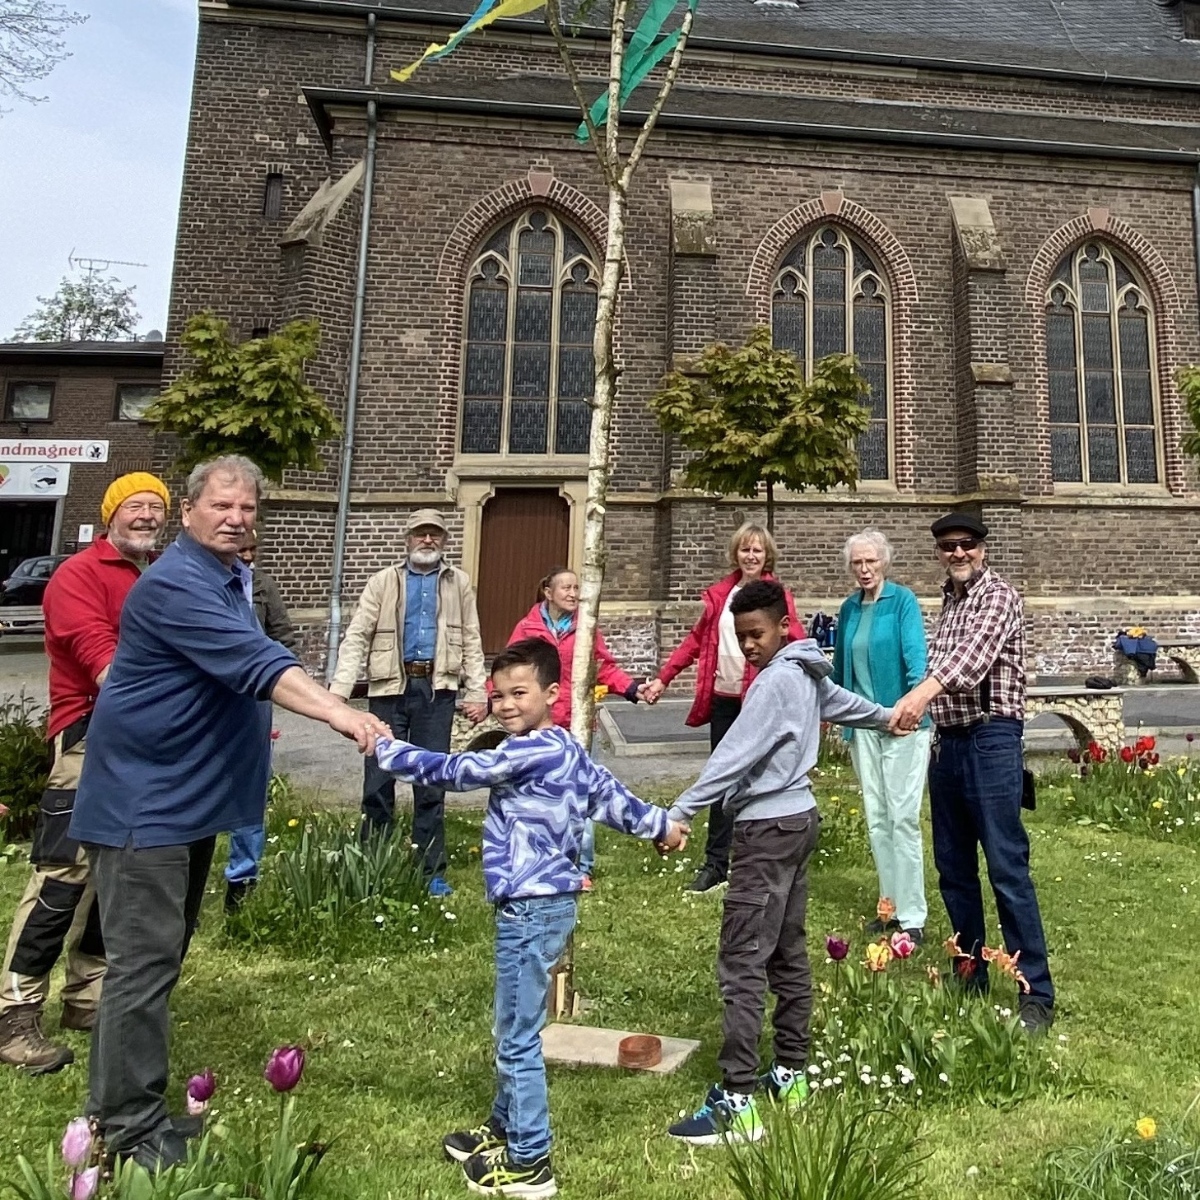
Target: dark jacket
(271, 611)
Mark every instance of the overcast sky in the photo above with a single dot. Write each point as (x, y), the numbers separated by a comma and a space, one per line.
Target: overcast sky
(96, 168)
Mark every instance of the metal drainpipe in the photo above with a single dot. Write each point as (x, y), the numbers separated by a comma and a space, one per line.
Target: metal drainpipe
(356, 337)
(1196, 225)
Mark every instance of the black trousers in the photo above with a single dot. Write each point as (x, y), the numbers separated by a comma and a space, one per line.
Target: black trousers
(149, 903)
(763, 945)
(725, 711)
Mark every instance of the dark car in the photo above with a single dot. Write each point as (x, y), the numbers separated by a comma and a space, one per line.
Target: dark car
(27, 583)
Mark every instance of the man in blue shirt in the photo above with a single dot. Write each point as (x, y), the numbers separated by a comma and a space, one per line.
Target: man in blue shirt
(194, 667)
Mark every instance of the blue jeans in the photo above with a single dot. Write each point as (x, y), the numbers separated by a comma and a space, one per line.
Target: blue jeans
(975, 800)
(245, 853)
(587, 847)
(425, 718)
(531, 936)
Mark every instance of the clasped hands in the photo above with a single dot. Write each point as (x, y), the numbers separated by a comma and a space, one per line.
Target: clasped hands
(676, 839)
(649, 692)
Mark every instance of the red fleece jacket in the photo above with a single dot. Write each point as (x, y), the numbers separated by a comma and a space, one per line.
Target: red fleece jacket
(82, 611)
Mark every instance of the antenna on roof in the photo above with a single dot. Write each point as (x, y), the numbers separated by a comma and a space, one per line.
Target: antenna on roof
(93, 266)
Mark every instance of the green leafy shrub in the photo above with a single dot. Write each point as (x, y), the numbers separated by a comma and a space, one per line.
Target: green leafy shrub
(1134, 791)
(904, 1036)
(322, 891)
(831, 1150)
(1124, 1165)
(24, 764)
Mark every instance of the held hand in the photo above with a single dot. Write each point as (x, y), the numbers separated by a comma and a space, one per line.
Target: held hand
(362, 728)
(475, 712)
(907, 712)
(676, 839)
(650, 691)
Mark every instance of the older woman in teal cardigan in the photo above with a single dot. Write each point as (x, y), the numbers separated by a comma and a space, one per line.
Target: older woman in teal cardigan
(880, 654)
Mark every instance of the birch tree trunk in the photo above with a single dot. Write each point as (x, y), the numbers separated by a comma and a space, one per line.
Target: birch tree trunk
(583, 693)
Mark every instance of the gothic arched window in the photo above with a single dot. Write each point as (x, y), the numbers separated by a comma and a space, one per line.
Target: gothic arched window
(1100, 356)
(528, 374)
(831, 298)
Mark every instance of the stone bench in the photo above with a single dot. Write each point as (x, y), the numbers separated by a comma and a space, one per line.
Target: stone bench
(1184, 653)
(21, 618)
(1092, 715)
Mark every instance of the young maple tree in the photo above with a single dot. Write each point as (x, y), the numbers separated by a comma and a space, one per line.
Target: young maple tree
(247, 398)
(751, 418)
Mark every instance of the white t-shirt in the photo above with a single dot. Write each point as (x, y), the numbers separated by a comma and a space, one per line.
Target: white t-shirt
(731, 662)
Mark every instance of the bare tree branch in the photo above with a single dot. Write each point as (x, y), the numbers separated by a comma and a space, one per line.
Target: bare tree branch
(659, 101)
(32, 43)
(616, 60)
(554, 20)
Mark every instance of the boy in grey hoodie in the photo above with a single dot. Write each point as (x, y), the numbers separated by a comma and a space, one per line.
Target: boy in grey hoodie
(760, 772)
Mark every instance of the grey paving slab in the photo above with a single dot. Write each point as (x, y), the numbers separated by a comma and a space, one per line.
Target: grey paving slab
(592, 1046)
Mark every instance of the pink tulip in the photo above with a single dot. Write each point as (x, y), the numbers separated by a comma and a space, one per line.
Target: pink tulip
(903, 945)
(3, 811)
(77, 1143)
(83, 1185)
(284, 1067)
(837, 948)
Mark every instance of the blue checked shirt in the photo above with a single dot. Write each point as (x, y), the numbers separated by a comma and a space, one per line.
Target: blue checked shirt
(543, 788)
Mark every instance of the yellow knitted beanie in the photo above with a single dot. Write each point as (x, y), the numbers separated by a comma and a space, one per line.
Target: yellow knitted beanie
(129, 485)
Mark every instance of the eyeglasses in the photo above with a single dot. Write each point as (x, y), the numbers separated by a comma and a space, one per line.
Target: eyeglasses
(949, 545)
(135, 508)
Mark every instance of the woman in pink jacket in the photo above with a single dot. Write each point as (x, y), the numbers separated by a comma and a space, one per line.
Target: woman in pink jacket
(723, 674)
(553, 620)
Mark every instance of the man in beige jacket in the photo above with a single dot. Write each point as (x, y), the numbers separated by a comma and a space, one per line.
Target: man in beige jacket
(418, 629)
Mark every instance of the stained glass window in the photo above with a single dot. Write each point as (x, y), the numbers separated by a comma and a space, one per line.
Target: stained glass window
(1100, 362)
(528, 376)
(831, 298)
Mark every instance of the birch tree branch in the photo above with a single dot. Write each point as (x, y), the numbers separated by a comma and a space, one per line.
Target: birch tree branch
(616, 60)
(554, 20)
(659, 101)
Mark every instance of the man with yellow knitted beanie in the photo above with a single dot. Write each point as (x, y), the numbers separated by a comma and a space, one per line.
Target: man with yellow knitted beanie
(82, 611)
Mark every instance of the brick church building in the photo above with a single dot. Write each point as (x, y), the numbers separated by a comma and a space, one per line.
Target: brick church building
(994, 205)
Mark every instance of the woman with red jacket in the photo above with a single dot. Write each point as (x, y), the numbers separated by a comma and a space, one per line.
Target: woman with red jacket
(723, 674)
(553, 620)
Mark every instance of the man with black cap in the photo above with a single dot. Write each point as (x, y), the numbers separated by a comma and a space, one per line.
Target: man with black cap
(417, 627)
(975, 691)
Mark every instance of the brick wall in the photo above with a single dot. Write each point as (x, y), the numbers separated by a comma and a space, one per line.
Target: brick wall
(442, 187)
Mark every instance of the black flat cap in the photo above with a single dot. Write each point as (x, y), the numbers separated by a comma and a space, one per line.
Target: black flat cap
(958, 520)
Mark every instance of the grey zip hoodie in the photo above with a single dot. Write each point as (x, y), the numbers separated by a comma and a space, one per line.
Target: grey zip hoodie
(760, 769)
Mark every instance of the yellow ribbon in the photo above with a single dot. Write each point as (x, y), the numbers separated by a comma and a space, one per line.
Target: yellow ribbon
(506, 8)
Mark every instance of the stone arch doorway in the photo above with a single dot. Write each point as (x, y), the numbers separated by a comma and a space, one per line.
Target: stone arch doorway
(523, 534)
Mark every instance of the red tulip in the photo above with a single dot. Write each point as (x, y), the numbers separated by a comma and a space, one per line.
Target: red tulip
(284, 1067)
(275, 734)
(1154, 759)
(837, 948)
(1127, 754)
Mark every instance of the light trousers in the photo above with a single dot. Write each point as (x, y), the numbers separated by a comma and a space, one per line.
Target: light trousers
(891, 772)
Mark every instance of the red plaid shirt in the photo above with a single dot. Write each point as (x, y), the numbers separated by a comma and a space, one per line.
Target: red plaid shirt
(979, 634)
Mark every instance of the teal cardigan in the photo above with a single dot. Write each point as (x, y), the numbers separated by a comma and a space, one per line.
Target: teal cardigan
(896, 648)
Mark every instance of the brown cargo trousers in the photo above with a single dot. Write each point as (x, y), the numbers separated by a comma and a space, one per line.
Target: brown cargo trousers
(59, 906)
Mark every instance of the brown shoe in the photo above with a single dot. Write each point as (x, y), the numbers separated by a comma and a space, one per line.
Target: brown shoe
(24, 1046)
(78, 1016)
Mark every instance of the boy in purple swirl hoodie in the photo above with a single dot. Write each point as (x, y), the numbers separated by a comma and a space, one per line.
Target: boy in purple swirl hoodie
(543, 788)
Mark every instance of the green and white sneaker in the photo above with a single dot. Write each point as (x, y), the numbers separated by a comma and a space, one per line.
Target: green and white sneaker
(495, 1174)
(723, 1117)
(785, 1086)
(459, 1146)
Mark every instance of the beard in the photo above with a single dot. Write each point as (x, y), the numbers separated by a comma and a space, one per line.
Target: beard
(135, 542)
(424, 558)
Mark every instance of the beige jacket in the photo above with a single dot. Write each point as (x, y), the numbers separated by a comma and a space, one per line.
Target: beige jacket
(377, 634)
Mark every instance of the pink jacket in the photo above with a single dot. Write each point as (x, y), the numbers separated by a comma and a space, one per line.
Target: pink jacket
(608, 673)
(701, 643)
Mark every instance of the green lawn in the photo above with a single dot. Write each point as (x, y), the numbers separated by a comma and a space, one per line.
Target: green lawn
(401, 1044)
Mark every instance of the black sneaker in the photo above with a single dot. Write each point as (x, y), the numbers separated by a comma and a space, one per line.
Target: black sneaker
(1036, 1016)
(459, 1146)
(917, 935)
(236, 893)
(876, 927)
(707, 878)
(495, 1174)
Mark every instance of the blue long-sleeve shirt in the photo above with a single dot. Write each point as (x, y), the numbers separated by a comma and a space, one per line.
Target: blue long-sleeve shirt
(179, 742)
(543, 788)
